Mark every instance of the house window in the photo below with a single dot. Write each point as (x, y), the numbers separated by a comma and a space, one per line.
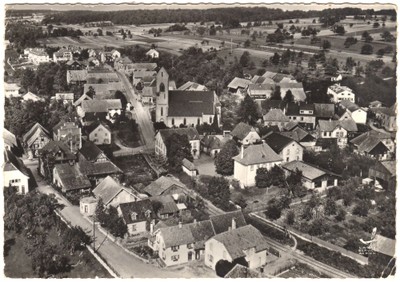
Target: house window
(198, 121)
(173, 121)
(184, 121)
(106, 134)
(190, 246)
(210, 120)
(287, 159)
(251, 168)
(162, 111)
(162, 86)
(86, 209)
(210, 258)
(175, 248)
(288, 152)
(95, 135)
(133, 227)
(175, 258)
(302, 118)
(294, 118)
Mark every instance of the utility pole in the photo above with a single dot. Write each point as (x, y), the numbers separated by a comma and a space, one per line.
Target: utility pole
(94, 234)
(231, 45)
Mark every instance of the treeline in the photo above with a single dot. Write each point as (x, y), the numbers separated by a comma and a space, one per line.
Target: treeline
(228, 17)
(25, 13)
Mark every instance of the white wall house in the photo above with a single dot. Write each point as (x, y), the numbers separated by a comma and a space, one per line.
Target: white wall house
(11, 90)
(341, 93)
(163, 134)
(15, 173)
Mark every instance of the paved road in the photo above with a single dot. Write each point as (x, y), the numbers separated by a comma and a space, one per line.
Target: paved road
(142, 115)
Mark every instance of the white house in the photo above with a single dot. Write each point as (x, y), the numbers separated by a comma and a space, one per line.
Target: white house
(137, 216)
(37, 55)
(252, 158)
(340, 93)
(99, 133)
(288, 149)
(245, 242)
(31, 97)
(15, 173)
(337, 129)
(87, 205)
(358, 114)
(11, 90)
(163, 134)
(245, 134)
(153, 53)
(9, 139)
(62, 55)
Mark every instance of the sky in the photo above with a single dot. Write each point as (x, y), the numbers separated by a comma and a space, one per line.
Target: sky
(183, 5)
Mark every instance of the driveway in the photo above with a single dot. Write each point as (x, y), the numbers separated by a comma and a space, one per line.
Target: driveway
(205, 165)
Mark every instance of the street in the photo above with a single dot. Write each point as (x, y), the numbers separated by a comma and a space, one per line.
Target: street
(142, 115)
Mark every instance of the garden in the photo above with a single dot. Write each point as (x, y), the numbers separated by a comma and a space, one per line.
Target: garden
(136, 169)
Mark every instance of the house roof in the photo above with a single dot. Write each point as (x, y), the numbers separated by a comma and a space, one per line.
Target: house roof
(368, 140)
(168, 204)
(309, 171)
(275, 115)
(240, 271)
(384, 110)
(193, 86)
(296, 89)
(337, 88)
(94, 125)
(190, 132)
(324, 110)
(238, 240)
(65, 124)
(330, 125)
(80, 99)
(71, 178)
(290, 125)
(90, 151)
(375, 103)
(293, 109)
(262, 80)
(57, 146)
(139, 208)
(11, 86)
(141, 73)
(160, 185)
(298, 134)
(65, 96)
(278, 77)
(146, 66)
(185, 103)
(100, 106)
(12, 163)
(241, 130)
(149, 91)
(77, 75)
(238, 82)
(107, 189)
(261, 87)
(188, 164)
(257, 154)
(98, 168)
(223, 222)
(277, 141)
(390, 166)
(350, 105)
(273, 104)
(193, 233)
(31, 96)
(9, 138)
(123, 60)
(214, 141)
(36, 131)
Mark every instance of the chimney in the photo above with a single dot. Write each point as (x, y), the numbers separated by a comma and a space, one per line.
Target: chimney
(233, 224)
(70, 146)
(180, 224)
(152, 226)
(242, 152)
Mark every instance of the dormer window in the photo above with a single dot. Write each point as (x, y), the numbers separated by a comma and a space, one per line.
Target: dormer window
(147, 213)
(133, 215)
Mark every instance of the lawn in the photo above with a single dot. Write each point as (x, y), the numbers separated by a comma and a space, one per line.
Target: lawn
(18, 263)
(135, 168)
(128, 133)
(256, 198)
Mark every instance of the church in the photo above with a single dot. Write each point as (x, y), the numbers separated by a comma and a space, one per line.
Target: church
(184, 107)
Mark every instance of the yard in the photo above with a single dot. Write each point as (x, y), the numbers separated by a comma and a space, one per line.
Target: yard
(301, 270)
(135, 168)
(256, 198)
(128, 133)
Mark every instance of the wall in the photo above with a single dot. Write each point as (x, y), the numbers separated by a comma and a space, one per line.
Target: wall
(22, 180)
(292, 152)
(214, 252)
(256, 259)
(246, 174)
(251, 138)
(359, 116)
(122, 197)
(100, 136)
(182, 252)
(136, 228)
(188, 172)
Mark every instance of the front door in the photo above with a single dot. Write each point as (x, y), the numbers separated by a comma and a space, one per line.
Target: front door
(190, 255)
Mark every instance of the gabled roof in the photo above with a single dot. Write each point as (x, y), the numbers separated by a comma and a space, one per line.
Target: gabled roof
(65, 124)
(309, 171)
(337, 88)
(275, 115)
(146, 66)
(123, 60)
(190, 132)
(290, 125)
(100, 106)
(77, 75)
(79, 101)
(298, 134)
(257, 154)
(369, 140)
(98, 168)
(9, 138)
(350, 105)
(36, 131)
(12, 163)
(240, 239)
(108, 188)
(262, 80)
(193, 86)
(294, 109)
(188, 164)
(278, 77)
(11, 86)
(267, 88)
(56, 146)
(71, 178)
(324, 110)
(65, 96)
(238, 82)
(296, 89)
(90, 151)
(141, 73)
(160, 185)
(139, 208)
(185, 103)
(168, 205)
(223, 222)
(330, 125)
(31, 96)
(390, 166)
(277, 141)
(241, 130)
(94, 125)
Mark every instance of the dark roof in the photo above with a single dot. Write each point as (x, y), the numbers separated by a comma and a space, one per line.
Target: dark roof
(56, 146)
(273, 104)
(66, 124)
(324, 110)
(100, 106)
(94, 125)
(190, 103)
(325, 143)
(190, 132)
(298, 134)
(277, 141)
(107, 189)
(139, 208)
(90, 151)
(257, 154)
(223, 222)
(309, 171)
(160, 185)
(168, 204)
(275, 115)
(98, 168)
(241, 130)
(13, 163)
(71, 178)
(367, 141)
(293, 109)
(36, 131)
(349, 105)
(238, 82)
(330, 125)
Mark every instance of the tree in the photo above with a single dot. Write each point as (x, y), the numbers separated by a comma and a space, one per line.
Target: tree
(380, 53)
(245, 59)
(276, 94)
(290, 217)
(326, 44)
(376, 25)
(248, 111)
(312, 63)
(350, 63)
(274, 211)
(201, 30)
(367, 37)
(288, 97)
(341, 215)
(75, 238)
(28, 79)
(224, 163)
(219, 193)
(178, 148)
(119, 95)
(100, 212)
(247, 43)
(362, 208)
(367, 49)
(275, 59)
(330, 207)
(339, 29)
(350, 41)
(317, 227)
(387, 36)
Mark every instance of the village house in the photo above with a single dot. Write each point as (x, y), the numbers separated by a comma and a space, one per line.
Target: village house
(192, 86)
(35, 139)
(99, 133)
(87, 205)
(245, 134)
(70, 179)
(76, 76)
(168, 206)
(341, 93)
(324, 111)
(103, 91)
(189, 168)
(189, 108)
(153, 53)
(15, 173)
(288, 149)
(101, 76)
(298, 134)
(337, 129)
(376, 104)
(67, 98)
(374, 144)
(143, 77)
(109, 56)
(84, 97)
(62, 55)
(385, 173)
(212, 144)
(75, 65)
(92, 110)
(260, 91)
(147, 95)
(37, 55)
(245, 242)
(252, 158)
(313, 178)
(11, 90)
(31, 97)
(302, 113)
(69, 133)
(387, 117)
(275, 117)
(144, 66)
(359, 115)
(57, 152)
(124, 64)
(10, 141)
(238, 84)
(295, 87)
(165, 185)
(279, 77)
(113, 193)
(163, 134)
(137, 216)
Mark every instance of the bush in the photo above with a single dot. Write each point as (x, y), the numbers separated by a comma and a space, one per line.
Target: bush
(290, 217)
(341, 215)
(274, 211)
(317, 227)
(334, 193)
(361, 209)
